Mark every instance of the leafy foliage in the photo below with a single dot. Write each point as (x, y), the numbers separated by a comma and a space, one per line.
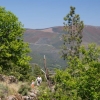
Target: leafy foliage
(13, 51)
(24, 89)
(36, 71)
(80, 81)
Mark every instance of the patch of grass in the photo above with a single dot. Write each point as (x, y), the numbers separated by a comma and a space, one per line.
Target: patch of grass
(9, 89)
(3, 90)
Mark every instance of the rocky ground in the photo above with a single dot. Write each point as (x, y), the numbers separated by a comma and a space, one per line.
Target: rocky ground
(12, 83)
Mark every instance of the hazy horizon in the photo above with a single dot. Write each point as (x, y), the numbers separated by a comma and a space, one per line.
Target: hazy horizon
(56, 26)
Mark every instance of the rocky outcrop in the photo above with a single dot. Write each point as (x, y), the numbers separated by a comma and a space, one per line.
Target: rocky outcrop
(19, 97)
(8, 79)
(12, 79)
(31, 96)
(28, 98)
(12, 97)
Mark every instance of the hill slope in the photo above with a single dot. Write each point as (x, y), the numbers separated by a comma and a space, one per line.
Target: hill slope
(48, 42)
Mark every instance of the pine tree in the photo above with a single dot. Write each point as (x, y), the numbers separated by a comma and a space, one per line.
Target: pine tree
(72, 38)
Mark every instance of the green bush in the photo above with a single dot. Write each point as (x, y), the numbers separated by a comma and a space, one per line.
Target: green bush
(24, 89)
(32, 78)
(45, 93)
(79, 81)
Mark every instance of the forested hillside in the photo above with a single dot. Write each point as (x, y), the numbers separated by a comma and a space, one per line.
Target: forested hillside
(48, 42)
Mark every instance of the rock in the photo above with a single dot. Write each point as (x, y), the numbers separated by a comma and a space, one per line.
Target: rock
(12, 79)
(8, 79)
(32, 94)
(27, 98)
(35, 91)
(12, 97)
(18, 96)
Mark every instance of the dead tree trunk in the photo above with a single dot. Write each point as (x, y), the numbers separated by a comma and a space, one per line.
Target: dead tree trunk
(47, 73)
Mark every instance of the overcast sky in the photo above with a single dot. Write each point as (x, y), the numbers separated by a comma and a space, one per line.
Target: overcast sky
(38, 14)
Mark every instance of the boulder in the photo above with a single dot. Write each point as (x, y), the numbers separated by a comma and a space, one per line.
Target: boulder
(12, 97)
(12, 79)
(18, 96)
(32, 94)
(27, 98)
(8, 79)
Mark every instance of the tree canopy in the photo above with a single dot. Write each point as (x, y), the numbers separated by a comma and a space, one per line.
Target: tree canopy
(14, 51)
(81, 78)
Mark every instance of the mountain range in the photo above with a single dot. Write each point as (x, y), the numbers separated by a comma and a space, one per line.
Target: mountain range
(48, 42)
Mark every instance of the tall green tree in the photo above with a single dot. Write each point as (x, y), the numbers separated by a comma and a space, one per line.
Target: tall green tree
(72, 38)
(13, 51)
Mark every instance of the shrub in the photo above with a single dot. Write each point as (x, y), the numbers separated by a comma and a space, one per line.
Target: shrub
(24, 89)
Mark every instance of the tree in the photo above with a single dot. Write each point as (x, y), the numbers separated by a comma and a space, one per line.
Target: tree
(82, 83)
(73, 34)
(81, 79)
(14, 57)
(36, 70)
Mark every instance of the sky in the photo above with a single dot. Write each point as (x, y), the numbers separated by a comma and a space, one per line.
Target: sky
(38, 14)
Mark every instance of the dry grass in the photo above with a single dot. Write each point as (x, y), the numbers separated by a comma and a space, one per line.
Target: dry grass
(12, 88)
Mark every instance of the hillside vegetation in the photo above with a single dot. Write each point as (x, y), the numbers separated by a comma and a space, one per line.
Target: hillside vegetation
(78, 78)
(49, 41)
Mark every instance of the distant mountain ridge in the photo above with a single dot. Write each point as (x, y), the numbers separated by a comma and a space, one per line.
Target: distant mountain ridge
(90, 33)
(49, 40)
